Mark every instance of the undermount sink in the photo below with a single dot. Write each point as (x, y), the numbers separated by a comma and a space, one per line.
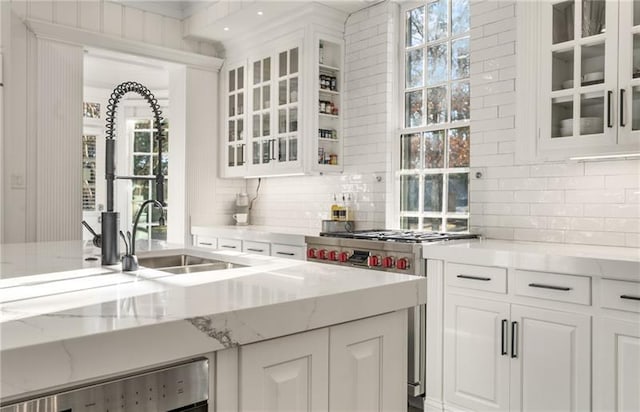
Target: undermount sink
(179, 264)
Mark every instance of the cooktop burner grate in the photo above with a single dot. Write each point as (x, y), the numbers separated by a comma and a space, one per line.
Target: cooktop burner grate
(399, 236)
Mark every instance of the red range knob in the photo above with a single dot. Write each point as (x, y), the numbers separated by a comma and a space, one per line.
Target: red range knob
(343, 257)
(322, 254)
(387, 262)
(333, 255)
(374, 261)
(402, 263)
(311, 253)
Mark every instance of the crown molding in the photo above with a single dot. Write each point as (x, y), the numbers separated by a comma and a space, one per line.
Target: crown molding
(87, 38)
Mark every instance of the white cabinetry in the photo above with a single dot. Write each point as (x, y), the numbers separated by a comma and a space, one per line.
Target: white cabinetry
(550, 360)
(260, 242)
(286, 374)
(617, 347)
(587, 56)
(366, 367)
(294, 113)
(476, 358)
(501, 355)
(350, 367)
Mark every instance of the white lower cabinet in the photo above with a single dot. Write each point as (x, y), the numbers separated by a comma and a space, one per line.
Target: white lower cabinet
(617, 365)
(476, 374)
(351, 367)
(500, 356)
(367, 371)
(286, 374)
(550, 360)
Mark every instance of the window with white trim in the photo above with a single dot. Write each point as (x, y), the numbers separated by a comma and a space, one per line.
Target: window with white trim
(434, 136)
(144, 162)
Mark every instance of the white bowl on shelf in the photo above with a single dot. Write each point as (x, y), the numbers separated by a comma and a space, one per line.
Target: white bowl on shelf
(567, 84)
(593, 77)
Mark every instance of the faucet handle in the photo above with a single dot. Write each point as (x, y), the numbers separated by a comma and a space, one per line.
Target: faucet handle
(97, 239)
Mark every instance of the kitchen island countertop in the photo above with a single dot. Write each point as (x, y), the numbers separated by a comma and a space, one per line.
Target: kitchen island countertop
(65, 320)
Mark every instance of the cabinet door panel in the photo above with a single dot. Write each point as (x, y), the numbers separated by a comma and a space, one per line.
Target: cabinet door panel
(617, 365)
(551, 371)
(368, 370)
(285, 374)
(476, 374)
(629, 73)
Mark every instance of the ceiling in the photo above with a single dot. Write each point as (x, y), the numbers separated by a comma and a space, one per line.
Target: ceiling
(181, 9)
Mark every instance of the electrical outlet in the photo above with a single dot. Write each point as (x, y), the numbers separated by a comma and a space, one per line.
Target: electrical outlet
(17, 181)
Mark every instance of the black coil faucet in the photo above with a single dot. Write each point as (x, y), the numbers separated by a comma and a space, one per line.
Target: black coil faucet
(110, 218)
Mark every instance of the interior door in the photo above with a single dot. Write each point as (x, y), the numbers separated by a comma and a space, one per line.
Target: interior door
(476, 363)
(551, 360)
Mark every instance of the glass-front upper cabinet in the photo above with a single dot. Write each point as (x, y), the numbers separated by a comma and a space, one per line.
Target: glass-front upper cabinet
(629, 72)
(579, 61)
(235, 136)
(589, 76)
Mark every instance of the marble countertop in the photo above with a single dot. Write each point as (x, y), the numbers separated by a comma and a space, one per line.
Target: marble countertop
(67, 320)
(619, 262)
(275, 234)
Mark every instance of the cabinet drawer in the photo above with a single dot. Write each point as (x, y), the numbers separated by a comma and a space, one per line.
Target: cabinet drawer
(553, 286)
(490, 279)
(230, 244)
(206, 241)
(259, 248)
(288, 251)
(621, 295)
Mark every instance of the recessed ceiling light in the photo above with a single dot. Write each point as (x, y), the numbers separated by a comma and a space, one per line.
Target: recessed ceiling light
(260, 13)
(226, 29)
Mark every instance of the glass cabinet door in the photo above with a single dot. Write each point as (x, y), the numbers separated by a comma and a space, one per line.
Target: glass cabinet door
(235, 136)
(580, 66)
(629, 73)
(260, 109)
(286, 145)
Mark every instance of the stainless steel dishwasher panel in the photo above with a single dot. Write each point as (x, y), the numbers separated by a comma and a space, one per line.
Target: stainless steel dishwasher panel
(181, 387)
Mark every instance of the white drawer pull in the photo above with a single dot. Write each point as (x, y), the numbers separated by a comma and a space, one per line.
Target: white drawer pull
(206, 243)
(474, 278)
(255, 250)
(630, 297)
(286, 253)
(540, 285)
(229, 246)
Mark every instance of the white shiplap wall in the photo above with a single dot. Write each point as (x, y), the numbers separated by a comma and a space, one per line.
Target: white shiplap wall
(303, 202)
(596, 202)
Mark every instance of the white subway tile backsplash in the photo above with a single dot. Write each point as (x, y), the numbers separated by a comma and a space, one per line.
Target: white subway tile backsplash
(576, 182)
(506, 172)
(558, 169)
(622, 225)
(632, 195)
(539, 196)
(594, 196)
(613, 167)
(622, 181)
(539, 235)
(515, 209)
(595, 238)
(530, 183)
(612, 210)
(555, 209)
(491, 16)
